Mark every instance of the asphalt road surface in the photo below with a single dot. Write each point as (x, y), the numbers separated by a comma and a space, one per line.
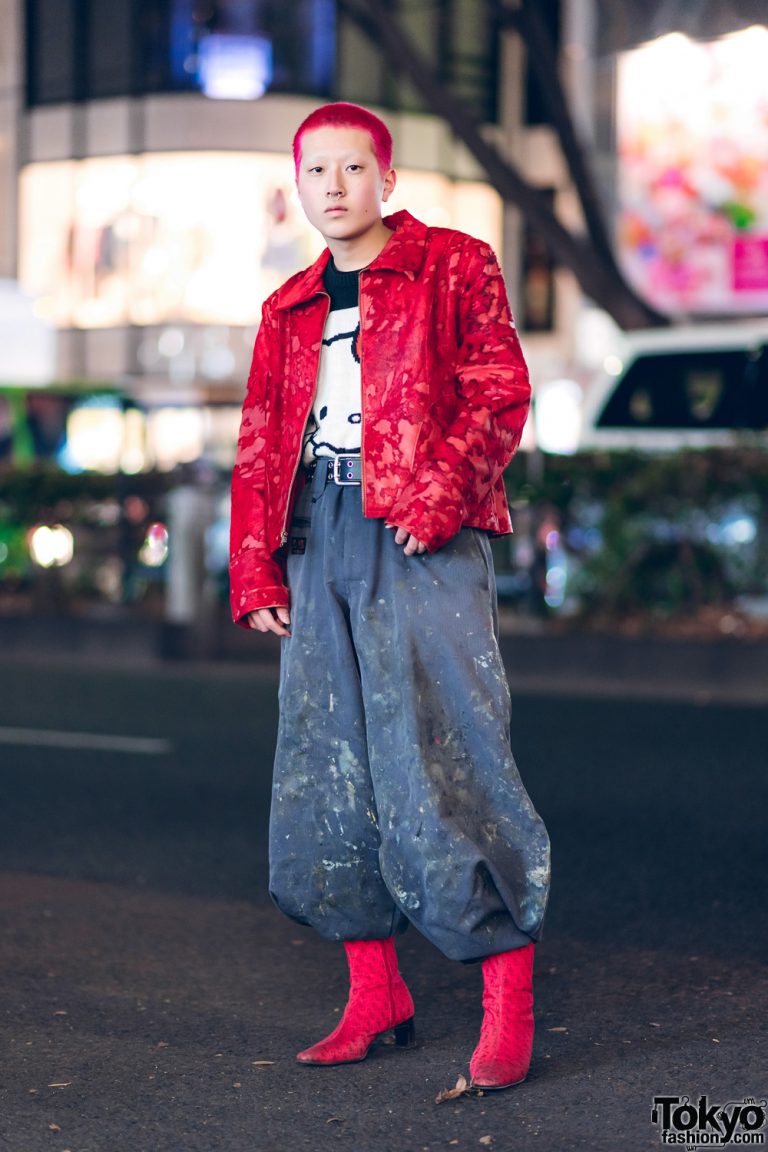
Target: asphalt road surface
(153, 1000)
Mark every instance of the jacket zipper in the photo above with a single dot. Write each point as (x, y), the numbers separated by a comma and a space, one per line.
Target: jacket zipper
(284, 533)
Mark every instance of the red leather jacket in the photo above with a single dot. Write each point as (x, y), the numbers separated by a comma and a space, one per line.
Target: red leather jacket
(445, 395)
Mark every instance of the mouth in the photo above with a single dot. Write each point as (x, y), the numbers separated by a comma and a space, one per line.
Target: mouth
(334, 210)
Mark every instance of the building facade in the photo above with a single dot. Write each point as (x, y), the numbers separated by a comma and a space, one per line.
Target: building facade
(149, 184)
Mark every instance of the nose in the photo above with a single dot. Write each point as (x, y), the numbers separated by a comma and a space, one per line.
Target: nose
(335, 187)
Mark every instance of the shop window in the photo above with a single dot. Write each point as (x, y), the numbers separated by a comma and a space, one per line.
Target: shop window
(105, 243)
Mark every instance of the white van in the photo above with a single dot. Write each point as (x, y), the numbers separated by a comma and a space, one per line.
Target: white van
(694, 386)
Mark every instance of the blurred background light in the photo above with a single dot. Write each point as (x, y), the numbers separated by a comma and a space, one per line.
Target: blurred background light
(51, 547)
(234, 67)
(733, 531)
(95, 433)
(171, 342)
(154, 551)
(557, 416)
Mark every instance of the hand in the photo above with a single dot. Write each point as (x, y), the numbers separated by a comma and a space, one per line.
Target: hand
(403, 536)
(275, 620)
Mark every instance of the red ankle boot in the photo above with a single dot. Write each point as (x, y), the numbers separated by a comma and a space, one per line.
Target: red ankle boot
(503, 1056)
(378, 1001)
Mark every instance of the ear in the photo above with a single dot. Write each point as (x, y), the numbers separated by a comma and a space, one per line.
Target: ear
(390, 180)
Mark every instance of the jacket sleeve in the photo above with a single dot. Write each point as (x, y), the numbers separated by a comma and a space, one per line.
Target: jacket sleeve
(256, 579)
(493, 397)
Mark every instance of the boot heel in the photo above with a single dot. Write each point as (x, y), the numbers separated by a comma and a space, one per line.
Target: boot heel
(405, 1034)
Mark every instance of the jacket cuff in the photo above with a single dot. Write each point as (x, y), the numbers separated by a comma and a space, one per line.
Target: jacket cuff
(256, 583)
(275, 597)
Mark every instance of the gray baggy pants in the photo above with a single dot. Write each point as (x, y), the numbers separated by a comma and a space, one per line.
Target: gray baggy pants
(396, 797)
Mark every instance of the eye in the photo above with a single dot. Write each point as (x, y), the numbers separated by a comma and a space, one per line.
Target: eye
(355, 167)
(316, 168)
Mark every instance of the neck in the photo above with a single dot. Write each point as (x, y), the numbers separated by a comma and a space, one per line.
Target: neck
(359, 251)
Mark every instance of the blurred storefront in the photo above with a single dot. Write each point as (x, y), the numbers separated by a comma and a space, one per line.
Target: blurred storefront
(692, 125)
(147, 192)
(147, 208)
(180, 249)
(156, 201)
(149, 179)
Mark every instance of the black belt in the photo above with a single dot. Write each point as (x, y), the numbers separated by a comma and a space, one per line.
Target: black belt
(340, 469)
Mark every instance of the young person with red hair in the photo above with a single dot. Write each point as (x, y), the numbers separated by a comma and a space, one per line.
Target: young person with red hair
(387, 394)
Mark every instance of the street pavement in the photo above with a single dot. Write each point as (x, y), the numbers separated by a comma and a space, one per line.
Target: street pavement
(153, 1000)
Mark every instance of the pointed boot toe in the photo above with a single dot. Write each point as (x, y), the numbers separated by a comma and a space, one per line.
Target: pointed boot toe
(379, 1002)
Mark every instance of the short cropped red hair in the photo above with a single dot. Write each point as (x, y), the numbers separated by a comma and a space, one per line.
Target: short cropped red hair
(343, 115)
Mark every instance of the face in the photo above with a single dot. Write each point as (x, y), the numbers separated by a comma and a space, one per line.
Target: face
(340, 186)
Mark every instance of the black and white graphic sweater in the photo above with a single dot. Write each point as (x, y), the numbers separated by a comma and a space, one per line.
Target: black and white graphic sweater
(334, 423)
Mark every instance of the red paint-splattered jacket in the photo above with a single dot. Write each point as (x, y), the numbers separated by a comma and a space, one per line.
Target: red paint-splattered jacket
(445, 394)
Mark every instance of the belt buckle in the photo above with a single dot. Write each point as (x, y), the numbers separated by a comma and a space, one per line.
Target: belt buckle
(336, 462)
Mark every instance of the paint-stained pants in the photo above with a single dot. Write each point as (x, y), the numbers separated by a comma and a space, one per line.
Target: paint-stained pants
(396, 797)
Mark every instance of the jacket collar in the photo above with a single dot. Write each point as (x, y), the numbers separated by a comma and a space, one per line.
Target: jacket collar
(403, 252)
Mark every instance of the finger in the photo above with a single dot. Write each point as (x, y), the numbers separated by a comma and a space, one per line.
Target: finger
(411, 546)
(422, 547)
(277, 620)
(254, 621)
(401, 536)
(266, 621)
